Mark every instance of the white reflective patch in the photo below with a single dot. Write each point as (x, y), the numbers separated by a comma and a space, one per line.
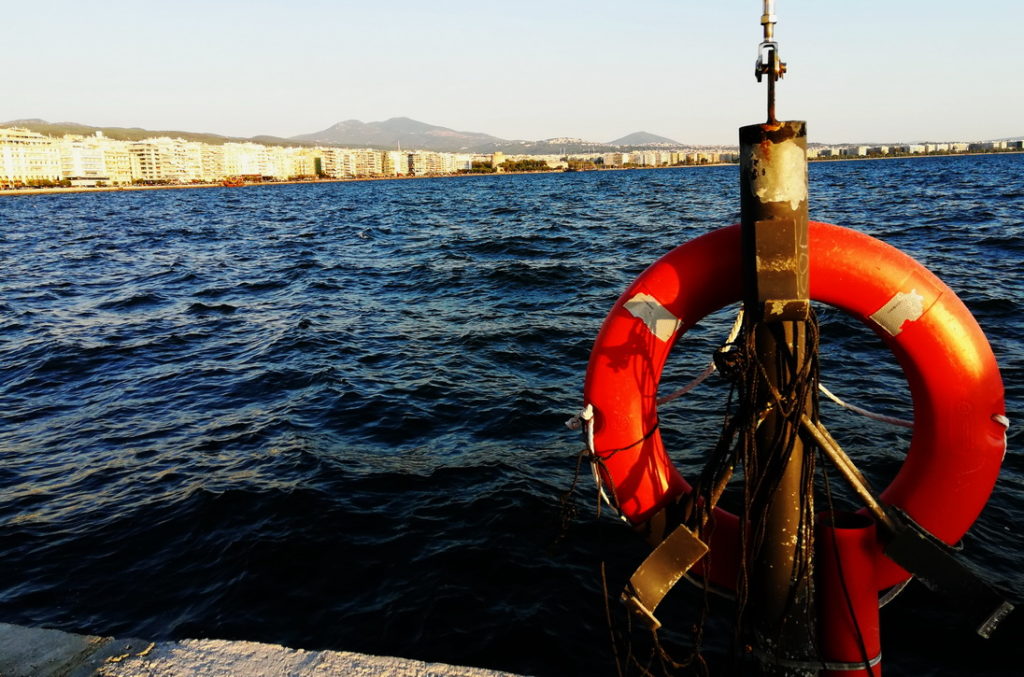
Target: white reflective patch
(903, 307)
(658, 319)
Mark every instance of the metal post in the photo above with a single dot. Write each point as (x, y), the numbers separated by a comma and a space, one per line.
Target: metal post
(773, 207)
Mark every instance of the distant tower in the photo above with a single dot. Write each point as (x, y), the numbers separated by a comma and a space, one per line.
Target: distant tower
(497, 159)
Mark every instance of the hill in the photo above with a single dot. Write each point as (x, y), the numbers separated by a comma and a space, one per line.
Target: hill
(644, 139)
(137, 133)
(405, 132)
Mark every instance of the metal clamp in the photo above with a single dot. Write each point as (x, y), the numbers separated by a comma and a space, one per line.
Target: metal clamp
(771, 65)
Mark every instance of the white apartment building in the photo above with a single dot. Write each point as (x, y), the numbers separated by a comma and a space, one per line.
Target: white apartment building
(211, 161)
(418, 164)
(116, 158)
(288, 163)
(460, 162)
(82, 161)
(396, 163)
(369, 162)
(338, 163)
(305, 161)
(165, 159)
(246, 159)
(27, 156)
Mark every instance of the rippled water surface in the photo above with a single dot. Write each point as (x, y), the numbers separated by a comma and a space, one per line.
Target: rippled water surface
(330, 416)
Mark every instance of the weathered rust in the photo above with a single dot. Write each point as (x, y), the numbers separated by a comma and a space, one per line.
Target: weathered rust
(774, 235)
(773, 208)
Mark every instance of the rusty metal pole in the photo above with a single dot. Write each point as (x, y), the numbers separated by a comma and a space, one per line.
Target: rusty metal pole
(773, 208)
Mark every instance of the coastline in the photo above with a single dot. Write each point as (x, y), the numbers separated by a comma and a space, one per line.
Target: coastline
(116, 189)
(183, 186)
(186, 186)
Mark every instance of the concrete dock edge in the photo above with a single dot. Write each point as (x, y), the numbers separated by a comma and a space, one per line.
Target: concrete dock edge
(40, 652)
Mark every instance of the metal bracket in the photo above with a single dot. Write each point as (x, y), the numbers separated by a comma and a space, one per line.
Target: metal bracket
(781, 268)
(936, 565)
(772, 66)
(662, 569)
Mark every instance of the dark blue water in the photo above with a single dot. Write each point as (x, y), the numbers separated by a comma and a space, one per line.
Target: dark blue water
(330, 416)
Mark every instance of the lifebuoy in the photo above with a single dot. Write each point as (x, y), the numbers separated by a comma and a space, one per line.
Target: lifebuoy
(957, 444)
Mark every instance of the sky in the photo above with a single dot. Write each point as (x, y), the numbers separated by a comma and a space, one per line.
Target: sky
(870, 70)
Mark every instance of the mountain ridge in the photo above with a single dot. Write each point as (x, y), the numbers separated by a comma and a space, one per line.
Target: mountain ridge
(388, 134)
(138, 133)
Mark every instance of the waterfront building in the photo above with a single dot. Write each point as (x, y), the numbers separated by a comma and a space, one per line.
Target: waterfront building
(116, 159)
(338, 163)
(211, 163)
(306, 162)
(368, 163)
(461, 162)
(395, 163)
(27, 156)
(614, 159)
(284, 163)
(166, 160)
(82, 162)
(246, 159)
(146, 161)
(192, 162)
(418, 163)
(435, 163)
(426, 163)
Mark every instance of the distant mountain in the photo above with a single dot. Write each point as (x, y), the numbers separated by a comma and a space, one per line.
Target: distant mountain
(405, 132)
(389, 134)
(644, 139)
(137, 133)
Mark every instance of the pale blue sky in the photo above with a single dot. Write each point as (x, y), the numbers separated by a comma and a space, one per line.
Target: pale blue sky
(865, 70)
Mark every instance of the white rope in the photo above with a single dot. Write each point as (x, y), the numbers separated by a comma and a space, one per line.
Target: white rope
(1005, 422)
(892, 420)
(710, 369)
(586, 418)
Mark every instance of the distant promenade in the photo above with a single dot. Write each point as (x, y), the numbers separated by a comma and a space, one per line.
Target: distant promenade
(185, 186)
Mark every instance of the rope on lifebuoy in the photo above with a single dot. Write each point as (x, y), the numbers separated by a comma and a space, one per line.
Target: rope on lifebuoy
(710, 369)
(585, 420)
(892, 420)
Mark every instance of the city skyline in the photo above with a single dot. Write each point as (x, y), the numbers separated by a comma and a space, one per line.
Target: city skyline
(876, 72)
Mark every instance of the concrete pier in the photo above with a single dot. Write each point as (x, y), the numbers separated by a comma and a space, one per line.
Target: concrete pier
(38, 652)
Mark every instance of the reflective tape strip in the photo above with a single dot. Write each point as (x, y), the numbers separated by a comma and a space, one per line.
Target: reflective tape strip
(662, 323)
(902, 307)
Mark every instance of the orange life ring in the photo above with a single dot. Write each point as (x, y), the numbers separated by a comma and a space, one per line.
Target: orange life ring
(958, 441)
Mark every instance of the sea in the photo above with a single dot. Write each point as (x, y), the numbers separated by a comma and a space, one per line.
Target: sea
(332, 416)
